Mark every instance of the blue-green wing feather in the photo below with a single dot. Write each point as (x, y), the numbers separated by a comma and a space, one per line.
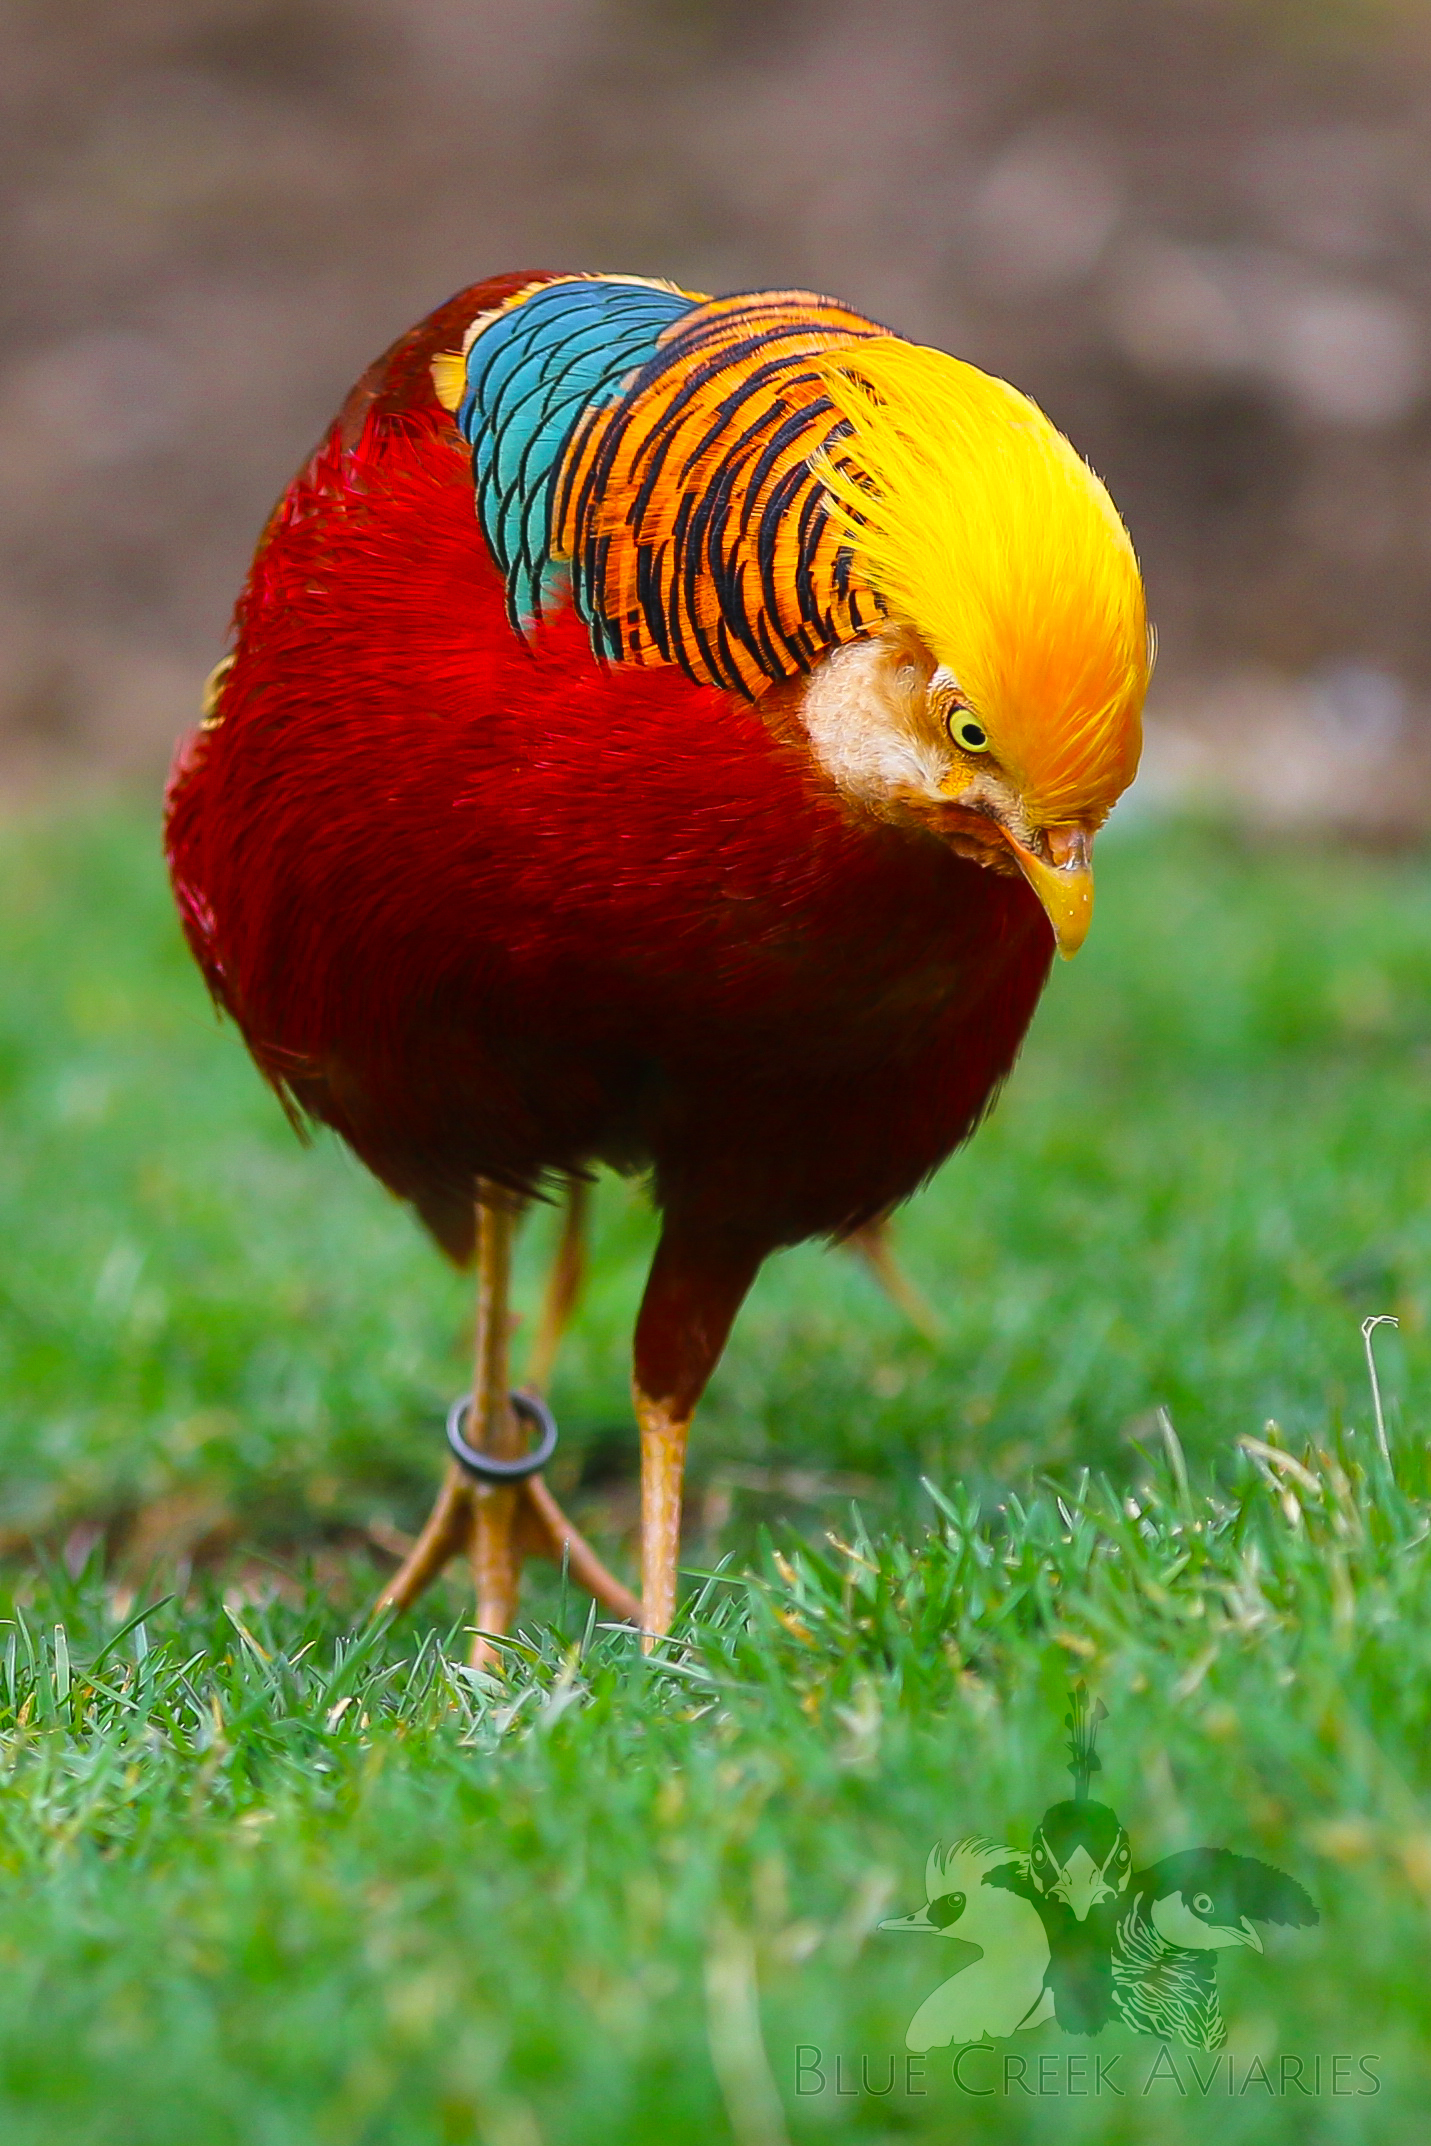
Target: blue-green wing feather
(531, 374)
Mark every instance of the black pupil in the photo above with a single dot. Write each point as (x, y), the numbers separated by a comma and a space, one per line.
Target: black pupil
(946, 1910)
(971, 734)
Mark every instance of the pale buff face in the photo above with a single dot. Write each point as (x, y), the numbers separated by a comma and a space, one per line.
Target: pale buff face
(878, 717)
(897, 737)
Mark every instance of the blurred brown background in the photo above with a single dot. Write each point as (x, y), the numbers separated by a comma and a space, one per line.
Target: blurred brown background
(1199, 231)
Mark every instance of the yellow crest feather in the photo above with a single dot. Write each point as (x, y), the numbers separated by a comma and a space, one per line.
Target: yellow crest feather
(980, 527)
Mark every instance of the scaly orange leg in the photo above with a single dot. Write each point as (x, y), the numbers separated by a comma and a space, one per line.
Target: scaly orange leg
(497, 1524)
(694, 1290)
(491, 1428)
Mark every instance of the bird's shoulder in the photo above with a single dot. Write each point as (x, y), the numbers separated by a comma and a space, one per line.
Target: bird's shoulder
(657, 457)
(400, 383)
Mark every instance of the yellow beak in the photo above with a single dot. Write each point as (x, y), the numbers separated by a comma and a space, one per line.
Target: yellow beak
(1063, 882)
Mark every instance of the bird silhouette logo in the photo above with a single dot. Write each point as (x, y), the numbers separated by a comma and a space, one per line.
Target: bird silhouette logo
(1071, 1932)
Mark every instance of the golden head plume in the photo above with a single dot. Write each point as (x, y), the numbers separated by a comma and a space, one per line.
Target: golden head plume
(980, 527)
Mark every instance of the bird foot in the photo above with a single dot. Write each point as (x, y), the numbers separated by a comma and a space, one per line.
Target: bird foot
(496, 1527)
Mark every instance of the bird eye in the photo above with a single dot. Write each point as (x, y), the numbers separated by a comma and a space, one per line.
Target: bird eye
(1203, 1903)
(945, 1910)
(969, 736)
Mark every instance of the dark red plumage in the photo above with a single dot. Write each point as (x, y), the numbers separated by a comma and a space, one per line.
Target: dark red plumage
(494, 909)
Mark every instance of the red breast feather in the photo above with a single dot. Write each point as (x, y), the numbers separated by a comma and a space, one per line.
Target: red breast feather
(494, 909)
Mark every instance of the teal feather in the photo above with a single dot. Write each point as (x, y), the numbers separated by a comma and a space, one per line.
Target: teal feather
(531, 374)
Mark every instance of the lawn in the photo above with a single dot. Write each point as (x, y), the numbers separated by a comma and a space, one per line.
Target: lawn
(270, 1877)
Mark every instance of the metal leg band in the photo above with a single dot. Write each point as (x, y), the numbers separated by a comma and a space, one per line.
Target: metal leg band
(488, 1467)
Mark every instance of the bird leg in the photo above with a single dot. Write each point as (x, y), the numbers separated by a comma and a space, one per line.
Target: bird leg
(871, 1243)
(498, 1524)
(566, 1278)
(491, 1428)
(692, 1295)
(564, 1284)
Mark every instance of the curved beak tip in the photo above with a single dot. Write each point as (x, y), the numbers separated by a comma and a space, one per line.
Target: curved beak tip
(1063, 884)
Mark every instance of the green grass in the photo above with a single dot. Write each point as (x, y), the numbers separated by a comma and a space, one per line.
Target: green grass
(268, 1880)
